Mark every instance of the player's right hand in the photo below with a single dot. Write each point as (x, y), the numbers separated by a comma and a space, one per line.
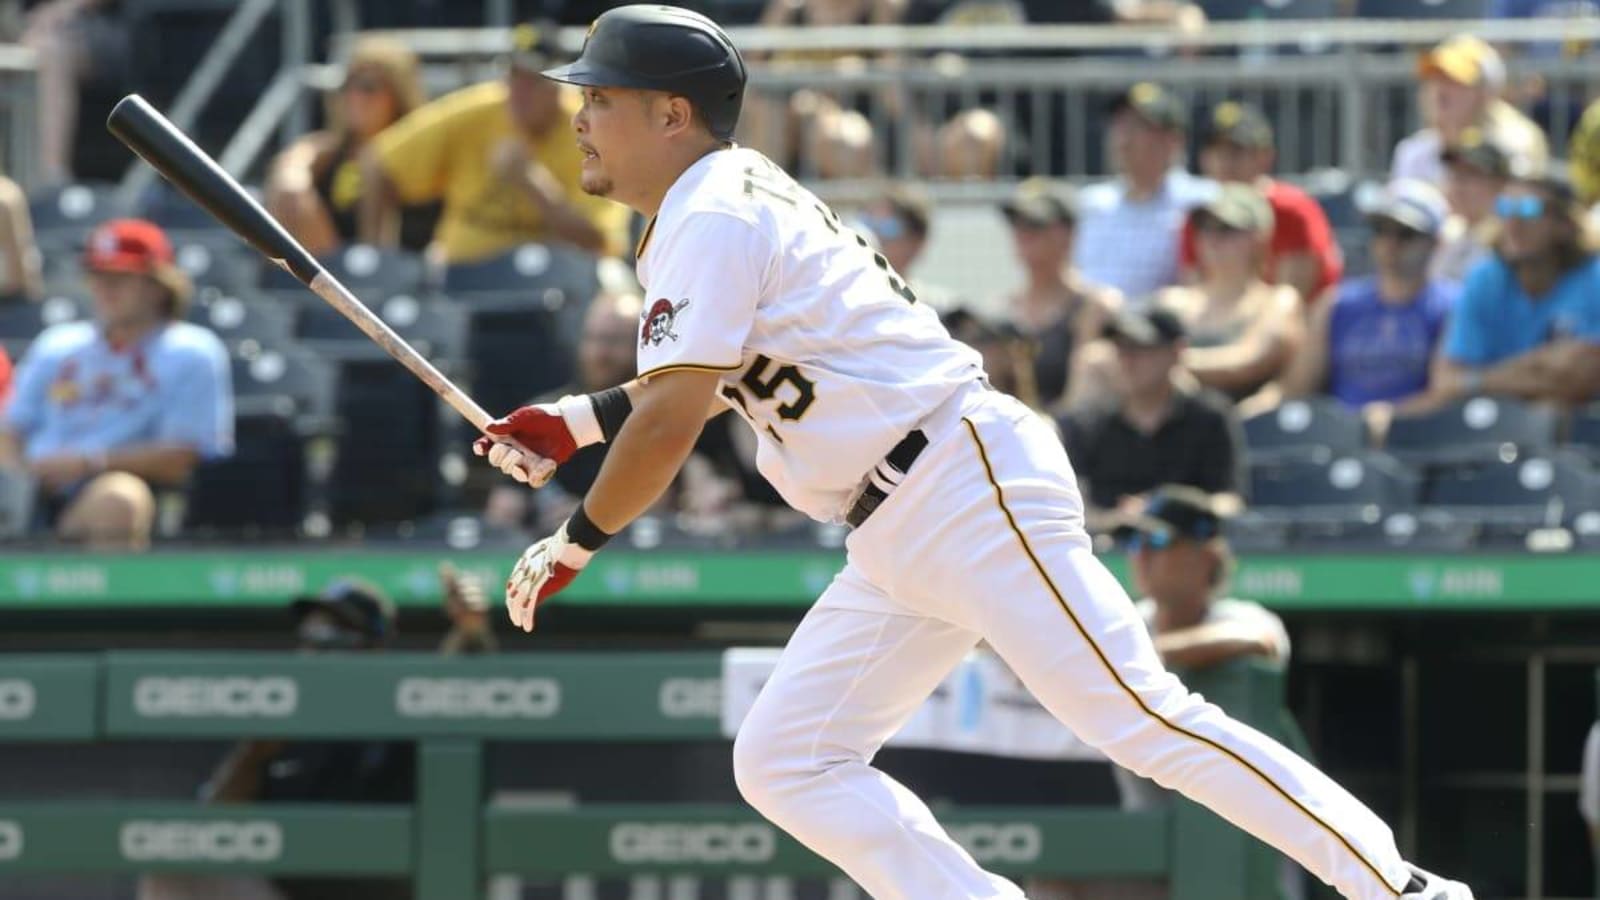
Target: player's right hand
(528, 444)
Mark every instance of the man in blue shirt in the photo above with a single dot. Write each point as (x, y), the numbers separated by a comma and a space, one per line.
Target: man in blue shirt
(1528, 321)
(103, 410)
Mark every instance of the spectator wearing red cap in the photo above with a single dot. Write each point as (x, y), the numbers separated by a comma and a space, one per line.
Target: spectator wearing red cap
(103, 410)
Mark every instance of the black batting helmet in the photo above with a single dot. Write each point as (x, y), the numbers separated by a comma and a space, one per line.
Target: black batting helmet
(663, 48)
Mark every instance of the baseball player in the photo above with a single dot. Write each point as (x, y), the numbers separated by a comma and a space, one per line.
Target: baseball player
(965, 515)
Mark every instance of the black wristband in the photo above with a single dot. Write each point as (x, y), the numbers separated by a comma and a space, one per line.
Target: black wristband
(584, 533)
(611, 408)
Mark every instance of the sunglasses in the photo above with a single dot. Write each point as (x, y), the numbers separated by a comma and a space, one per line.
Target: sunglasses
(1395, 231)
(1140, 540)
(1525, 206)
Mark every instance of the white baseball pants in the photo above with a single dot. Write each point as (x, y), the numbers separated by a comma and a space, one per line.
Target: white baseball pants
(984, 539)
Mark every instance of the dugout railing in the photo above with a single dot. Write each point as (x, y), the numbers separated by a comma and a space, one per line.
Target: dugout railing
(450, 840)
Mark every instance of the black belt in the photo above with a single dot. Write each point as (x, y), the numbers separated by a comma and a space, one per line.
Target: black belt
(899, 459)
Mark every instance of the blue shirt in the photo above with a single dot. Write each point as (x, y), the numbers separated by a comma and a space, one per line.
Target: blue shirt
(1133, 245)
(1381, 351)
(75, 393)
(1495, 320)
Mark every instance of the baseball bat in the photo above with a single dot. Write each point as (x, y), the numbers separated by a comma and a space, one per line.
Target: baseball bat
(166, 148)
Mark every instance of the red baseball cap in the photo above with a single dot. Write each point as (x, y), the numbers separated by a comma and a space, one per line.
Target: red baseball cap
(137, 246)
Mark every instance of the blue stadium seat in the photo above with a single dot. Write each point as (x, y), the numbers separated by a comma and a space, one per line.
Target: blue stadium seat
(1422, 530)
(1583, 434)
(282, 369)
(1314, 429)
(71, 210)
(215, 259)
(516, 352)
(1222, 10)
(363, 269)
(529, 270)
(24, 321)
(1535, 490)
(1355, 487)
(1479, 429)
(1252, 532)
(1421, 9)
(436, 328)
(242, 315)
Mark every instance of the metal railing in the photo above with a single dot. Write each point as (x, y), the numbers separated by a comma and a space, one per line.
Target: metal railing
(19, 110)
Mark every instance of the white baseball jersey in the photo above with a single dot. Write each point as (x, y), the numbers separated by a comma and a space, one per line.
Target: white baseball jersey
(827, 354)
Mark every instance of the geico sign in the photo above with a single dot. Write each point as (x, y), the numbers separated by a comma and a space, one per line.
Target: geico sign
(10, 839)
(691, 698)
(684, 842)
(231, 697)
(144, 840)
(17, 699)
(1004, 842)
(468, 698)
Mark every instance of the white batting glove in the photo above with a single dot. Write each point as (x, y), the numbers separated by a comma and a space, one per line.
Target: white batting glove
(545, 568)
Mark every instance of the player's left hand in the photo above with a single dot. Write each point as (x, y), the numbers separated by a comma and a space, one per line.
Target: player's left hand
(543, 571)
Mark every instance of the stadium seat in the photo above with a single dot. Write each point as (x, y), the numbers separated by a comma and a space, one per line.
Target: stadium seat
(1421, 9)
(1535, 490)
(1252, 532)
(516, 353)
(1314, 429)
(1222, 10)
(529, 271)
(436, 328)
(284, 403)
(215, 259)
(24, 321)
(164, 205)
(1480, 429)
(1584, 433)
(240, 316)
(389, 465)
(365, 270)
(1356, 487)
(1423, 530)
(71, 209)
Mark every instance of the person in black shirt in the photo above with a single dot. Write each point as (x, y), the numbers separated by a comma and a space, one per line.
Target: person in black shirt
(1160, 427)
(605, 359)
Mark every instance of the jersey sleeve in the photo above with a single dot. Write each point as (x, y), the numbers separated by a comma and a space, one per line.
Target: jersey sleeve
(200, 411)
(706, 278)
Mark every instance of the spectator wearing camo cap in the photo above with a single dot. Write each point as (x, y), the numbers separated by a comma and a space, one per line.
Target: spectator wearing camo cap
(104, 410)
(1476, 170)
(1238, 148)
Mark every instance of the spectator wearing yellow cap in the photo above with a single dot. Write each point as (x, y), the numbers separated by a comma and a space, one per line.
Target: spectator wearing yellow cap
(503, 160)
(1461, 83)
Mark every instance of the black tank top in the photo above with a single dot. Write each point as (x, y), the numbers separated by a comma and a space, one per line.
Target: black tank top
(339, 185)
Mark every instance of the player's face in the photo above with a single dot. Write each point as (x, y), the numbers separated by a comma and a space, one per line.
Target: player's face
(613, 130)
(126, 299)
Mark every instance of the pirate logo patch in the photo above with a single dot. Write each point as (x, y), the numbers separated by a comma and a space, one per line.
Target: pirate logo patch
(658, 322)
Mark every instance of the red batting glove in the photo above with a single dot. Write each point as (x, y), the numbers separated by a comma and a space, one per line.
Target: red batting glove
(540, 429)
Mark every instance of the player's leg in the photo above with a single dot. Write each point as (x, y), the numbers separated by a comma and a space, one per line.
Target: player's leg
(993, 529)
(850, 677)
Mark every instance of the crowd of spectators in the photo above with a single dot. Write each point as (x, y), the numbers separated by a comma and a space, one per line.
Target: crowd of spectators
(1147, 314)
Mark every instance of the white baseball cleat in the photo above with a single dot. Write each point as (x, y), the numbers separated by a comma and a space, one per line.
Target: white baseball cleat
(1425, 885)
